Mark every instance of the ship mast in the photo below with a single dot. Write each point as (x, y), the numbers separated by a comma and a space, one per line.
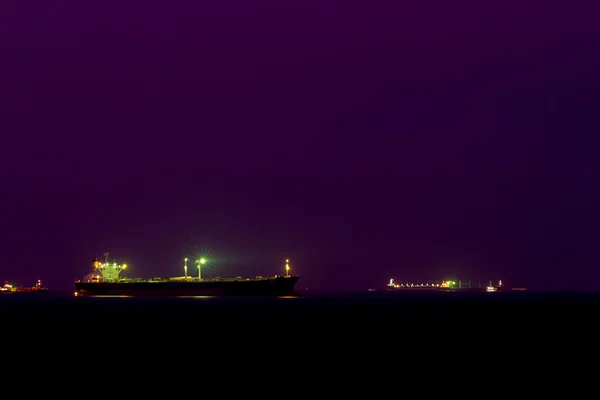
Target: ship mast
(200, 262)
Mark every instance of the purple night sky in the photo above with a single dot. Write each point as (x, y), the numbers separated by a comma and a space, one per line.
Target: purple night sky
(414, 139)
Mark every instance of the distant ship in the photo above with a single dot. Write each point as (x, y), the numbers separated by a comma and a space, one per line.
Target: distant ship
(105, 281)
(7, 288)
(446, 286)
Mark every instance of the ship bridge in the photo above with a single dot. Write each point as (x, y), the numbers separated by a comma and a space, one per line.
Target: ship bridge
(110, 272)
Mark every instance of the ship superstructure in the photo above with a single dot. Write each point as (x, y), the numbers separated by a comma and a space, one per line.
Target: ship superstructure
(447, 285)
(106, 272)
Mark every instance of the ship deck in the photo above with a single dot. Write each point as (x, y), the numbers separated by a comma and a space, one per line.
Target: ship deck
(280, 285)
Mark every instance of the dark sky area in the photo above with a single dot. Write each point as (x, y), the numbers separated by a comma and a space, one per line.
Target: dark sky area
(413, 139)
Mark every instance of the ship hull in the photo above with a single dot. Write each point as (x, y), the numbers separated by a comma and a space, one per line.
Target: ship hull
(444, 290)
(279, 286)
(24, 291)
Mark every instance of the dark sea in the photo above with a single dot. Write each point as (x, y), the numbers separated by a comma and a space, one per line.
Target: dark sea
(317, 326)
(315, 311)
(342, 344)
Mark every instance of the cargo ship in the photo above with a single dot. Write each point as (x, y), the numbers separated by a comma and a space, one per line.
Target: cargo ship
(105, 280)
(446, 286)
(7, 288)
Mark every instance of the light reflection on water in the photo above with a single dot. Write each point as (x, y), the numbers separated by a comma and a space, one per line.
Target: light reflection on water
(185, 297)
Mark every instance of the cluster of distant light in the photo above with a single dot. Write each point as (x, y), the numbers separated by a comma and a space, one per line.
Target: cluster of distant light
(442, 284)
(7, 288)
(420, 285)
